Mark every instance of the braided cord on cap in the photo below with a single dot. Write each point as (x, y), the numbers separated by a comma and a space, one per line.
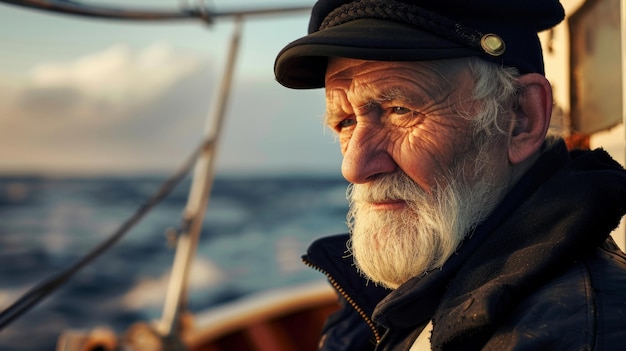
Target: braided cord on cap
(407, 14)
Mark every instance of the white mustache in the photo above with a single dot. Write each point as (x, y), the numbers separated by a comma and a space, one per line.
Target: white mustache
(397, 186)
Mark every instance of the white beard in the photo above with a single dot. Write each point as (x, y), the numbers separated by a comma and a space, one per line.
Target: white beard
(393, 246)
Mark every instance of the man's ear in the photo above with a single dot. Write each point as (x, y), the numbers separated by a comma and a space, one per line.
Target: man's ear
(532, 117)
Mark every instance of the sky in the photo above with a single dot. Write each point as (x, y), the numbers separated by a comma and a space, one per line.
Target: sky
(96, 96)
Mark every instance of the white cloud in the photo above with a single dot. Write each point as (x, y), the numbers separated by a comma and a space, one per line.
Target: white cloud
(114, 81)
(103, 108)
(124, 109)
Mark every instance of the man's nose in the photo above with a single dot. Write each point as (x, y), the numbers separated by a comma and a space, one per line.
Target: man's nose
(366, 156)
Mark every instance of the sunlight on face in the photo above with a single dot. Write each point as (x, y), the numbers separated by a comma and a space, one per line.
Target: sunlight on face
(420, 182)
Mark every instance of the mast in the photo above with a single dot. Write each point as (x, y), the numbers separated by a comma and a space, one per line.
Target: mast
(198, 199)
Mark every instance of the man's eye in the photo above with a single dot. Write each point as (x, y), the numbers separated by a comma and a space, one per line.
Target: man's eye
(346, 123)
(399, 110)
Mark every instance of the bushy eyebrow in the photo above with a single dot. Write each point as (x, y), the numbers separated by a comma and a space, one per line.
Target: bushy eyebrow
(393, 94)
(373, 97)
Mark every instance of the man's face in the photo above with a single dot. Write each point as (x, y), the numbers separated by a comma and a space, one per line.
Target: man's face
(392, 116)
(404, 130)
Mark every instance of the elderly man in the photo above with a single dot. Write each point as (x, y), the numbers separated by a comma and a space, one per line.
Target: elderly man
(469, 229)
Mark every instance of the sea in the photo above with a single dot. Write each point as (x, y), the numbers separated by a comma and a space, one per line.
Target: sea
(255, 230)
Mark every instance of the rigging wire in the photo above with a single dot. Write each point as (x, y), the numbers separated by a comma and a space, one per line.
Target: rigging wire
(201, 11)
(43, 289)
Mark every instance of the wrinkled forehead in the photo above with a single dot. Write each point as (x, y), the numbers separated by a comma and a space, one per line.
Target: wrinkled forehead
(440, 75)
(361, 83)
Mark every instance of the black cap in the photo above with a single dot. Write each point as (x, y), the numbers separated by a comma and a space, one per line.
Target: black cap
(500, 31)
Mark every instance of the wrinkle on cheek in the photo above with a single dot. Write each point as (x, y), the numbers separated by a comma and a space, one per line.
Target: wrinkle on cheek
(423, 138)
(427, 155)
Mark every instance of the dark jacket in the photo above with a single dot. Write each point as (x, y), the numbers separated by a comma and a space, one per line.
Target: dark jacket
(541, 273)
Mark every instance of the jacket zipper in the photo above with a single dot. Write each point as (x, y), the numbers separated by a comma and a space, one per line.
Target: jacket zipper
(345, 295)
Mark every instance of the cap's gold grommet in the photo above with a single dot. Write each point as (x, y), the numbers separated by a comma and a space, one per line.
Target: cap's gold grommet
(492, 44)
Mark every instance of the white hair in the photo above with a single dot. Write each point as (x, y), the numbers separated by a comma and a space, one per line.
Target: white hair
(496, 88)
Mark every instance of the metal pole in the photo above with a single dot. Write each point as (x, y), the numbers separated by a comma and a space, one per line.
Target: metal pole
(198, 199)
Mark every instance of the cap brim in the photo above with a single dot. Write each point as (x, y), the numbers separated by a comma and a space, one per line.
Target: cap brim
(302, 63)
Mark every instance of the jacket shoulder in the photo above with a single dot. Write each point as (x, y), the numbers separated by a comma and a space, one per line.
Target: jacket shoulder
(607, 272)
(582, 309)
